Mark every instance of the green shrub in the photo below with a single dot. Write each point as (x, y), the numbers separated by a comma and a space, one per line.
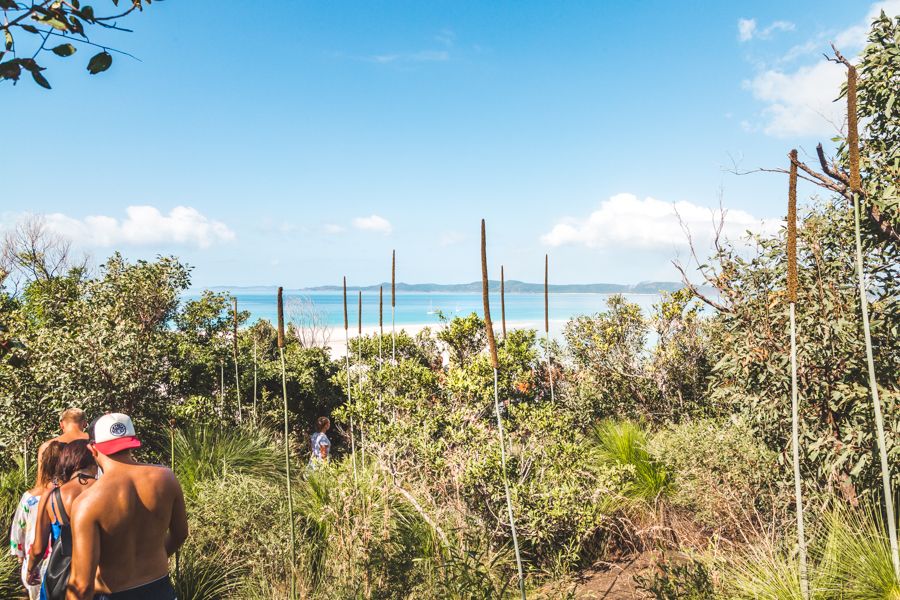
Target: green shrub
(624, 444)
(206, 453)
(10, 581)
(251, 514)
(723, 477)
(857, 559)
(206, 575)
(682, 580)
(561, 495)
(358, 537)
(849, 560)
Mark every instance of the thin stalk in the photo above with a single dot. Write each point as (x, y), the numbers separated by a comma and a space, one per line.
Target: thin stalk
(287, 439)
(795, 449)
(876, 401)
(237, 375)
(380, 344)
(393, 305)
(495, 363)
(172, 466)
(349, 397)
(547, 323)
(855, 187)
(221, 386)
(362, 430)
(795, 403)
(255, 413)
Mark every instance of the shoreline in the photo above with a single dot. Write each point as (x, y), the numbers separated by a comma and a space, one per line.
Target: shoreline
(337, 347)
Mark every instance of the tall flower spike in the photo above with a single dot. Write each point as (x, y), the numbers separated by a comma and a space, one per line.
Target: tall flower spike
(853, 131)
(792, 230)
(487, 303)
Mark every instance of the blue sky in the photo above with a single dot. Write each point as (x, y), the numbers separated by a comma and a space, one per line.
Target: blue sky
(300, 142)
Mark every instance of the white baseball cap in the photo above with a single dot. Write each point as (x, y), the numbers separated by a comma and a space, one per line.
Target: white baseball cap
(114, 432)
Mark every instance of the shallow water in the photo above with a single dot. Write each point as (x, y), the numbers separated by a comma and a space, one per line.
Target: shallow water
(422, 308)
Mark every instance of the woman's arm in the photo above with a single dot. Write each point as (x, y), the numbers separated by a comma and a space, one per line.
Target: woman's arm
(17, 534)
(41, 531)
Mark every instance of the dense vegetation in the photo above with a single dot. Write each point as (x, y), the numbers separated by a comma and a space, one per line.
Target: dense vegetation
(675, 451)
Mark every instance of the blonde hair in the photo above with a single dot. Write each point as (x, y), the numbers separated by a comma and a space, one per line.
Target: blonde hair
(72, 415)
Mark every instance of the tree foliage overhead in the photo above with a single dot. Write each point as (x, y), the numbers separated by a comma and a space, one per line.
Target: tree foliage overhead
(30, 30)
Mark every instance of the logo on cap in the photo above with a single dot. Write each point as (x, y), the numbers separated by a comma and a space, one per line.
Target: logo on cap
(118, 429)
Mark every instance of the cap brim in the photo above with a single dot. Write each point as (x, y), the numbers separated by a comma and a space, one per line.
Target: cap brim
(117, 445)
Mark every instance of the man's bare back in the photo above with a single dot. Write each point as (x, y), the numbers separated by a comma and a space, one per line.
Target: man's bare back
(125, 527)
(72, 423)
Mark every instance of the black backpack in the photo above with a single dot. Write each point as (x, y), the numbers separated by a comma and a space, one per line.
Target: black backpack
(57, 576)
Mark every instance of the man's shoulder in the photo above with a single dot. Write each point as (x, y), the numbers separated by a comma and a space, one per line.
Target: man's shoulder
(88, 504)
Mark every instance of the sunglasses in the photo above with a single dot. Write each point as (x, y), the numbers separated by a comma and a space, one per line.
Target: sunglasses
(84, 478)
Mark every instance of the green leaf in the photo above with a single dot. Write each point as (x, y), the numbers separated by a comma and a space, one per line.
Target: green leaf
(87, 13)
(30, 28)
(9, 39)
(99, 62)
(56, 23)
(64, 50)
(40, 79)
(8, 5)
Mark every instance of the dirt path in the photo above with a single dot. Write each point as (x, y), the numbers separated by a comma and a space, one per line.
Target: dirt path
(614, 581)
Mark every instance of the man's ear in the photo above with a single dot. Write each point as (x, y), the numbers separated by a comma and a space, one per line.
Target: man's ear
(94, 451)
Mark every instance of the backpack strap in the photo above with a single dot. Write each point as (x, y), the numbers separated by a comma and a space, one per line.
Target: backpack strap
(59, 508)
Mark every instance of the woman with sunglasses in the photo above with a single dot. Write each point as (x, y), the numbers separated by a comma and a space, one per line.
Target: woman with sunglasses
(76, 470)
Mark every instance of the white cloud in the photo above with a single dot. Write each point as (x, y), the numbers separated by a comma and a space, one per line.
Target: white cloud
(333, 229)
(445, 37)
(746, 27)
(625, 221)
(142, 225)
(801, 102)
(854, 38)
(373, 223)
(415, 57)
(451, 238)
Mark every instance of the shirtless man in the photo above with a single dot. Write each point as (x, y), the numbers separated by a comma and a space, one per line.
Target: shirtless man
(127, 525)
(72, 423)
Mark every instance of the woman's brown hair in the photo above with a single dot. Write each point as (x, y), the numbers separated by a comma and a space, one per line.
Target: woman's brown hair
(75, 457)
(50, 461)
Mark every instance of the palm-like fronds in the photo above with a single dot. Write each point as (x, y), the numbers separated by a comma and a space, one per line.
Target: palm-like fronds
(204, 453)
(624, 443)
(206, 576)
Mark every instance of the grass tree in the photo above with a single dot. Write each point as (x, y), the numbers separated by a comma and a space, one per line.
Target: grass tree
(795, 417)
(287, 437)
(495, 363)
(855, 191)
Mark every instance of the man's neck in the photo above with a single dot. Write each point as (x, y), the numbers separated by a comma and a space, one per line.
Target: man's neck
(112, 463)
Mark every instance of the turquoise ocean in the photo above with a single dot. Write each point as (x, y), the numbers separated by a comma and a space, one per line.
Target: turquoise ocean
(417, 309)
